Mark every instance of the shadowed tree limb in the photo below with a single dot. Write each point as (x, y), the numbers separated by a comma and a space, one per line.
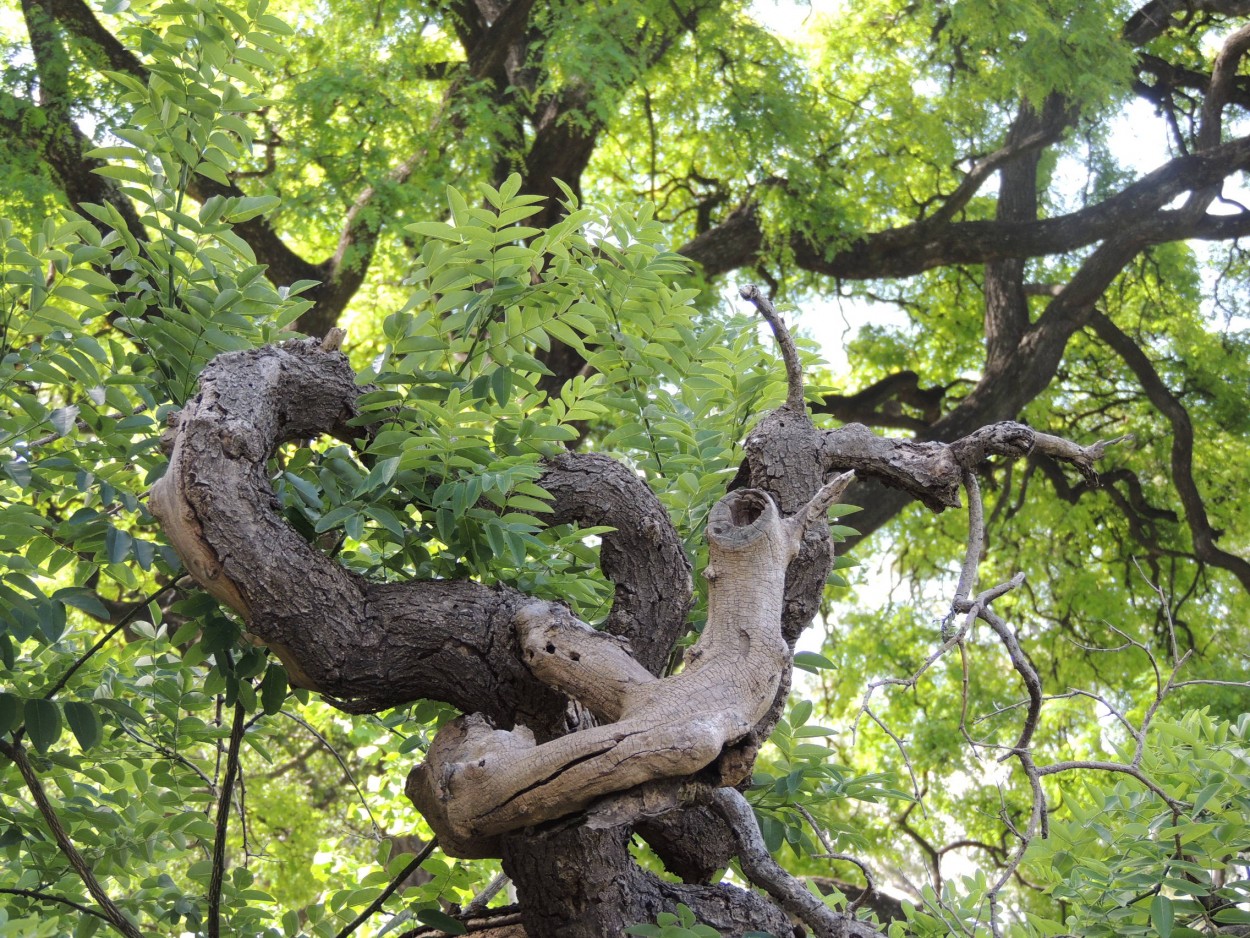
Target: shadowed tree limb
(1152, 19)
(1204, 536)
(63, 145)
(225, 797)
(912, 249)
(881, 403)
(16, 753)
(1169, 77)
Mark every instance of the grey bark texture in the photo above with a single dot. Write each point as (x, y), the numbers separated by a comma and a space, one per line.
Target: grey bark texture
(556, 798)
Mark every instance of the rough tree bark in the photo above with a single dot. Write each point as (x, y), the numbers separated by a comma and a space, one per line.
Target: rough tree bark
(524, 775)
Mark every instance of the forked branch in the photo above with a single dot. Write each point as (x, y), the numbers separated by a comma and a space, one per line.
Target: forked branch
(479, 782)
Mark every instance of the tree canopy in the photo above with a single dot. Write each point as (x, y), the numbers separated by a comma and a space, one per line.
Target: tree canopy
(387, 417)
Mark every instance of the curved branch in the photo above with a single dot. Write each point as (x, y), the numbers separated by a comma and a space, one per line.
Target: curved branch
(912, 249)
(1204, 536)
(377, 644)
(643, 557)
(1211, 121)
(446, 640)
(761, 869)
(789, 354)
(479, 782)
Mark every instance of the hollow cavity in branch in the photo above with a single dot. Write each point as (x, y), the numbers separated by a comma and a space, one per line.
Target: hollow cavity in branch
(480, 782)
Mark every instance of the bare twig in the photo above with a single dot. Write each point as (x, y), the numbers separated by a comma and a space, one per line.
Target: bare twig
(377, 830)
(107, 636)
(390, 889)
(915, 783)
(831, 854)
(1178, 807)
(217, 876)
(172, 756)
(789, 352)
(16, 752)
(478, 903)
(60, 900)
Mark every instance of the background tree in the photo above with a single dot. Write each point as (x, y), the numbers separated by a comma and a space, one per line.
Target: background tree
(959, 163)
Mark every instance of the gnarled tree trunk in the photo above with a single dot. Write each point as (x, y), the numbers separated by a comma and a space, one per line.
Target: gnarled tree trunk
(556, 798)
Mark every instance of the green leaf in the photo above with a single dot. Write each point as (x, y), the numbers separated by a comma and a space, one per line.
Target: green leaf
(380, 476)
(64, 419)
(1162, 915)
(248, 207)
(501, 385)
(10, 711)
(84, 721)
(43, 723)
(565, 334)
(841, 511)
(800, 712)
(116, 544)
(273, 688)
(83, 599)
(441, 921)
(812, 661)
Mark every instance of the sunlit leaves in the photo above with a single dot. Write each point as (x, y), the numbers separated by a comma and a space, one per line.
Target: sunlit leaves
(1128, 865)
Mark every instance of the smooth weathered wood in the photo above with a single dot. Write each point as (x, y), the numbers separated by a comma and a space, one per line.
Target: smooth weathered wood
(481, 782)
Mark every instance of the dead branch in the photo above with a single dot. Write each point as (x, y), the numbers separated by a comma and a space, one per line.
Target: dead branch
(479, 782)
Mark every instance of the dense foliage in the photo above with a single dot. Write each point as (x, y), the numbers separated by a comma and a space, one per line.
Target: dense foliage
(523, 209)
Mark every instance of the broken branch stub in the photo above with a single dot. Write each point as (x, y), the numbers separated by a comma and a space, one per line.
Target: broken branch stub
(479, 782)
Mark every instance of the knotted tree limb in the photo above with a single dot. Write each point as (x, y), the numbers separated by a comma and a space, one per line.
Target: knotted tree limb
(508, 660)
(381, 644)
(478, 782)
(931, 471)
